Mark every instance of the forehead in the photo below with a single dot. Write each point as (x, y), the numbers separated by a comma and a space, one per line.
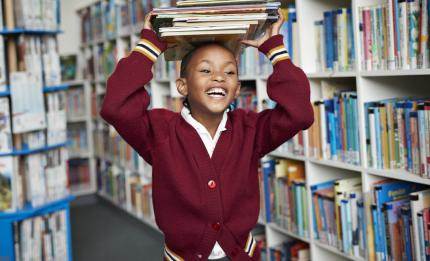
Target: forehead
(213, 53)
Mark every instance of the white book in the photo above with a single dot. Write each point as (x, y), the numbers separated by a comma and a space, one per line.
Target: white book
(391, 61)
(205, 28)
(342, 38)
(404, 39)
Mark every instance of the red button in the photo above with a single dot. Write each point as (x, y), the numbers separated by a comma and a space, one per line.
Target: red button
(216, 226)
(211, 184)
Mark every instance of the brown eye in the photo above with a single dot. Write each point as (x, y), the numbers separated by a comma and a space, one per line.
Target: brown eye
(230, 73)
(205, 71)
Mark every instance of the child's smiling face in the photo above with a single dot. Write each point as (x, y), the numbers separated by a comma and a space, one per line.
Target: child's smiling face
(211, 82)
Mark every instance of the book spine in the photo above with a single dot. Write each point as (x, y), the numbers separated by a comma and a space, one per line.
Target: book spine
(391, 61)
(413, 29)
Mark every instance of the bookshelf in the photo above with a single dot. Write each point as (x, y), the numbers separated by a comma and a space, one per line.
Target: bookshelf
(34, 183)
(367, 85)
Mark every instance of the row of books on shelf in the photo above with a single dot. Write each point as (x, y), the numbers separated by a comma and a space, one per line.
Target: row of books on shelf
(37, 56)
(290, 250)
(30, 14)
(285, 195)
(76, 102)
(78, 172)
(335, 132)
(42, 237)
(114, 182)
(108, 19)
(394, 35)
(77, 138)
(338, 214)
(334, 38)
(398, 135)
(33, 180)
(51, 131)
(294, 146)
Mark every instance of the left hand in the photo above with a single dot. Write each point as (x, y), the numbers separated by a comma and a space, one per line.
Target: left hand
(272, 30)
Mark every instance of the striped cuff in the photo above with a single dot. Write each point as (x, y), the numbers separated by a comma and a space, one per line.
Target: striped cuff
(277, 54)
(274, 49)
(148, 49)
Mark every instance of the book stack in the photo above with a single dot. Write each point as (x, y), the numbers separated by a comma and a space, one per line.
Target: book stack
(196, 21)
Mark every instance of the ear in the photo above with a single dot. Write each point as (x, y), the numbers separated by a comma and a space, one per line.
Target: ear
(237, 90)
(181, 86)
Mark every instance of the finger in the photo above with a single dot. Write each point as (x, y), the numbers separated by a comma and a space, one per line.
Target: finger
(252, 43)
(277, 25)
(147, 21)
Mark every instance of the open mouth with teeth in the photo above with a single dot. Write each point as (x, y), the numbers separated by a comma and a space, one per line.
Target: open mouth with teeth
(216, 92)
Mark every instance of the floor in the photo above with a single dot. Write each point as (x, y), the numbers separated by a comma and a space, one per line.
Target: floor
(101, 231)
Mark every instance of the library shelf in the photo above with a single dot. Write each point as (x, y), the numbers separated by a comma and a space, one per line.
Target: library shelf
(287, 155)
(336, 251)
(46, 89)
(336, 164)
(29, 31)
(390, 73)
(288, 233)
(56, 88)
(28, 211)
(400, 174)
(79, 154)
(76, 118)
(317, 75)
(31, 151)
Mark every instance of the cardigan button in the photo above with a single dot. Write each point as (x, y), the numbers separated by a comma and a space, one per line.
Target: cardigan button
(216, 226)
(212, 184)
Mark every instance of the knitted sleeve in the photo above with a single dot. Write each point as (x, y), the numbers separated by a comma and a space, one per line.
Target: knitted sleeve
(288, 86)
(125, 105)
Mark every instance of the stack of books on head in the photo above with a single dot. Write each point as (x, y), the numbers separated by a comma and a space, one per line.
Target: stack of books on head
(194, 22)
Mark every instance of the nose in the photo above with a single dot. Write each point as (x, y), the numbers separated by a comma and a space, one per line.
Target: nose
(218, 76)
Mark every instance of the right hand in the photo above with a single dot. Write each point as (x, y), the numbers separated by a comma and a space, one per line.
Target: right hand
(147, 22)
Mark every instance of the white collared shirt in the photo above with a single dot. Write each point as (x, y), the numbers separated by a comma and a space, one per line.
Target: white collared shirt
(217, 251)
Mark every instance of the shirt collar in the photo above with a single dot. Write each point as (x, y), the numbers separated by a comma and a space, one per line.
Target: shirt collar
(186, 114)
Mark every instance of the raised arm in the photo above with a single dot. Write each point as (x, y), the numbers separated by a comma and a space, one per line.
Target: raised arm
(125, 105)
(288, 86)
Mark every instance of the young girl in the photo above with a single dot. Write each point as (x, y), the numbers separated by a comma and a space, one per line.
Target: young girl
(205, 159)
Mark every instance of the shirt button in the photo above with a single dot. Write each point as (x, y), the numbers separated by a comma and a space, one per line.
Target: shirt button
(211, 184)
(216, 226)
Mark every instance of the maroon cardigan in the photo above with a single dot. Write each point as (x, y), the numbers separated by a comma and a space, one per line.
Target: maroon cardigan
(197, 199)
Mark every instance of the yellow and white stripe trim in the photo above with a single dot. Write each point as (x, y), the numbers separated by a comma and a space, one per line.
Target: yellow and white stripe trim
(170, 255)
(148, 49)
(250, 246)
(277, 54)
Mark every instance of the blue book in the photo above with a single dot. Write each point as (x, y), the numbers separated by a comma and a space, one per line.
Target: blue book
(268, 170)
(377, 240)
(334, 35)
(420, 222)
(299, 208)
(407, 225)
(328, 35)
(291, 19)
(344, 225)
(408, 108)
(397, 33)
(351, 46)
(328, 106)
(355, 128)
(362, 228)
(338, 118)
